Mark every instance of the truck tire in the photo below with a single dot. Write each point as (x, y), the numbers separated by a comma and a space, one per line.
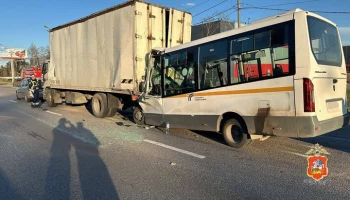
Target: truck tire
(49, 98)
(99, 105)
(138, 116)
(235, 133)
(112, 112)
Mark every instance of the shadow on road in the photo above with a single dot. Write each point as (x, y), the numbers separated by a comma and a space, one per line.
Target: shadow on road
(337, 140)
(215, 137)
(6, 189)
(94, 177)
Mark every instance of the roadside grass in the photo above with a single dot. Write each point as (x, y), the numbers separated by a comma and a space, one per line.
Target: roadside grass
(5, 82)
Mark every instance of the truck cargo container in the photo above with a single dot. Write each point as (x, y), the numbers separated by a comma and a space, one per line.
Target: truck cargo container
(102, 58)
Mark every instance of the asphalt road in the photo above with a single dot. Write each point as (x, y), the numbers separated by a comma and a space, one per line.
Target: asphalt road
(66, 153)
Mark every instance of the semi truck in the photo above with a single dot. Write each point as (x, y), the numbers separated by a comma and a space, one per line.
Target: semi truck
(102, 59)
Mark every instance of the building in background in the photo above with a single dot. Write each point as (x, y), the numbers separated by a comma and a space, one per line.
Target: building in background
(212, 28)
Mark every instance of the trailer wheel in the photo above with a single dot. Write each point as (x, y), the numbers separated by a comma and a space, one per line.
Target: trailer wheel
(112, 112)
(138, 115)
(99, 105)
(235, 133)
(49, 98)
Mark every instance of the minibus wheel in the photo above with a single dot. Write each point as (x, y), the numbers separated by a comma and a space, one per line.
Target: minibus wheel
(235, 133)
(138, 115)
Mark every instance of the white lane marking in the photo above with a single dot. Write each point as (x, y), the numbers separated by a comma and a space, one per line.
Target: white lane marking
(334, 138)
(13, 101)
(53, 113)
(72, 134)
(43, 121)
(297, 154)
(175, 149)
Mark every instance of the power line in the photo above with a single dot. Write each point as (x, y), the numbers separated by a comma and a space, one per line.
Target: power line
(315, 11)
(279, 9)
(211, 17)
(197, 5)
(231, 13)
(282, 4)
(210, 8)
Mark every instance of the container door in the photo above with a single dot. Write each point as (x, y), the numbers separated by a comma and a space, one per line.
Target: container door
(179, 28)
(149, 33)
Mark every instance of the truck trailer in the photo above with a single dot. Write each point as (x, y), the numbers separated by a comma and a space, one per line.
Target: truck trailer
(102, 59)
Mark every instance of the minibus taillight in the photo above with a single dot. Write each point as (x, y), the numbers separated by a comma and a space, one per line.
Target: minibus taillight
(309, 103)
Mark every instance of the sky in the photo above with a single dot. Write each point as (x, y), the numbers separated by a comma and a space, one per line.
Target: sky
(22, 21)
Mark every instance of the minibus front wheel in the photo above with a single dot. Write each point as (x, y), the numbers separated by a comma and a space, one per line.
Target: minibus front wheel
(138, 115)
(235, 133)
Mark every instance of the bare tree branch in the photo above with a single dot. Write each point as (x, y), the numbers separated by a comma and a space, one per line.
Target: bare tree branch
(38, 55)
(212, 24)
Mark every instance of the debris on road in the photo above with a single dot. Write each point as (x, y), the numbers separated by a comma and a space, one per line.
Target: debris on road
(122, 124)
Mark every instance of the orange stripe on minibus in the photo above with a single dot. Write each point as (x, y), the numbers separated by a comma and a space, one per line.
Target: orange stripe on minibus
(250, 91)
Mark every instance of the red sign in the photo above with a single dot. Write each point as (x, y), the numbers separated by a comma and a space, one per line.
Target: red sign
(317, 167)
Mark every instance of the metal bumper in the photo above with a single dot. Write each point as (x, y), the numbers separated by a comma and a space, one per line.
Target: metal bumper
(311, 127)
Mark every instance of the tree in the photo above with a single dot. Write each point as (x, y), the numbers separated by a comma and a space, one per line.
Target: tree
(33, 54)
(47, 52)
(38, 55)
(44, 54)
(5, 71)
(211, 26)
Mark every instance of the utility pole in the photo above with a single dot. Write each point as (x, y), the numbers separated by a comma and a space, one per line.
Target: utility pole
(239, 13)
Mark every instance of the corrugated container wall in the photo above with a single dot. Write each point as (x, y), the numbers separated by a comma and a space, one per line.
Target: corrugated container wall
(109, 51)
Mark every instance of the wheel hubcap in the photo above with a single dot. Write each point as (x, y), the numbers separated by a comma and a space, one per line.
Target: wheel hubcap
(138, 115)
(236, 133)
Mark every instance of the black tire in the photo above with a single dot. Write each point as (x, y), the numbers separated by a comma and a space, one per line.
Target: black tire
(112, 112)
(138, 116)
(99, 105)
(49, 98)
(235, 134)
(17, 96)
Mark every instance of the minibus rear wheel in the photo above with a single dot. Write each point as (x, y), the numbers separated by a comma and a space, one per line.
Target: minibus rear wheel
(235, 133)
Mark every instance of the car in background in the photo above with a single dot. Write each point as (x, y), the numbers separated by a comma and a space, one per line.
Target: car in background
(23, 91)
